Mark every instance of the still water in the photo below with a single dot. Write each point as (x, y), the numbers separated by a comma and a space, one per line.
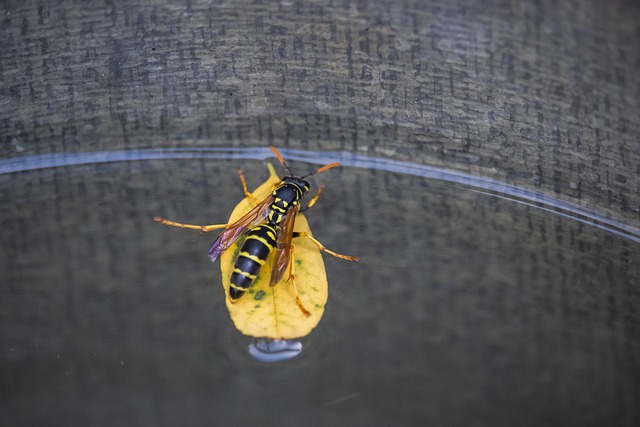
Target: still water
(475, 303)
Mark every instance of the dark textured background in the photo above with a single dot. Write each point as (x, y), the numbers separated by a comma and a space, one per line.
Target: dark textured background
(537, 93)
(544, 327)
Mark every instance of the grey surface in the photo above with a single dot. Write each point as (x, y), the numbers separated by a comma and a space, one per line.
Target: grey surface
(540, 94)
(481, 313)
(465, 309)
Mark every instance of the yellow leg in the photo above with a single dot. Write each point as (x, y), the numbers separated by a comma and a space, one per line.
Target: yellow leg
(313, 200)
(203, 228)
(244, 186)
(322, 248)
(295, 288)
(207, 228)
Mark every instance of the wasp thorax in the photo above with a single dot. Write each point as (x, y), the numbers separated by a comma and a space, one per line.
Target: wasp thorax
(291, 189)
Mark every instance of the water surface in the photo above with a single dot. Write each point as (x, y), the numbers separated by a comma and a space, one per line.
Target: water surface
(474, 303)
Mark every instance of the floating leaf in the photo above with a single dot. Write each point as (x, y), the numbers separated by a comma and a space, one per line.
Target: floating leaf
(271, 311)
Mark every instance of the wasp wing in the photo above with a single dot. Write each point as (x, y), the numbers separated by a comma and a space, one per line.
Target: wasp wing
(235, 230)
(284, 247)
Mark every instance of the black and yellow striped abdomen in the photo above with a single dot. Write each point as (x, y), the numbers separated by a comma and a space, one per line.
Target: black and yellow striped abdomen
(254, 252)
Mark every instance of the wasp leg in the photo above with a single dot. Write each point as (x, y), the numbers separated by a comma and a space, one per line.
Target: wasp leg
(244, 186)
(203, 228)
(322, 248)
(313, 200)
(212, 227)
(295, 288)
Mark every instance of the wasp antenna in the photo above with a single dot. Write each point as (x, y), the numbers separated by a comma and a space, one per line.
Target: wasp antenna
(277, 153)
(280, 159)
(322, 169)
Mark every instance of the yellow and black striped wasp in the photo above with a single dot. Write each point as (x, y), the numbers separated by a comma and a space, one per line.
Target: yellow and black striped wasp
(268, 226)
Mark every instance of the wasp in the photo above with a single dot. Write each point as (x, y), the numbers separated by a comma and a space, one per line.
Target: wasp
(266, 228)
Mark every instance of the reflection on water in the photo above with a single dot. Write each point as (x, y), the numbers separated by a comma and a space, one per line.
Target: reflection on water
(269, 351)
(498, 189)
(467, 308)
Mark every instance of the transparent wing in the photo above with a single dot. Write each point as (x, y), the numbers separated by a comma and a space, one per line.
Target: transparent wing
(283, 247)
(235, 230)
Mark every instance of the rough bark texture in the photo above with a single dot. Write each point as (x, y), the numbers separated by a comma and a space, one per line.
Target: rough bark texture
(541, 94)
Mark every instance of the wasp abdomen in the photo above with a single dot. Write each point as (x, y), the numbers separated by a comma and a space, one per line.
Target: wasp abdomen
(254, 252)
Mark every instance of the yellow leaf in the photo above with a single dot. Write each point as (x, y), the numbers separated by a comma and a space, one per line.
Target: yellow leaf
(271, 311)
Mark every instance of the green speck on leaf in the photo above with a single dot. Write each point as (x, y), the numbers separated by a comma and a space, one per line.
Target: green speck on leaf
(259, 295)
